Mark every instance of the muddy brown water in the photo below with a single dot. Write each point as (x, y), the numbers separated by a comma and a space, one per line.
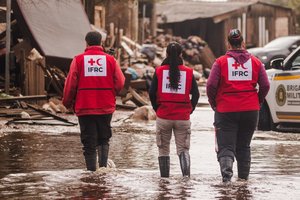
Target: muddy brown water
(47, 163)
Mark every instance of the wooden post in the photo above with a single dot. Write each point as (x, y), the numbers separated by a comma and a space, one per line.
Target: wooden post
(7, 56)
(120, 35)
(112, 37)
(153, 20)
(89, 6)
(124, 14)
(134, 19)
(99, 19)
(143, 23)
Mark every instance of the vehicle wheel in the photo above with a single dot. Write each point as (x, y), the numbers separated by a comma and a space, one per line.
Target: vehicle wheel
(265, 121)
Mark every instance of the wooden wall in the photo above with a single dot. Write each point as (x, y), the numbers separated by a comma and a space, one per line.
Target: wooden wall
(124, 14)
(214, 30)
(34, 83)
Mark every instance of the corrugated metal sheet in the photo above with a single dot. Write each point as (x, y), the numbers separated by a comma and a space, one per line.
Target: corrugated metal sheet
(177, 11)
(56, 28)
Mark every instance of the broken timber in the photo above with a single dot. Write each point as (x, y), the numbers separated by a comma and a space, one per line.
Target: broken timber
(50, 114)
(33, 97)
(41, 119)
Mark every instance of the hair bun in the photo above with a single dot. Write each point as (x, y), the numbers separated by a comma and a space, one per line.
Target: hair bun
(234, 34)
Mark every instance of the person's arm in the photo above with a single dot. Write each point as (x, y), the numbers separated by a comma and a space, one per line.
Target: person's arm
(195, 94)
(71, 84)
(152, 92)
(264, 84)
(212, 84)
(119, 78)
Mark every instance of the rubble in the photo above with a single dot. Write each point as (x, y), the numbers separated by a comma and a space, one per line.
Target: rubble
(41, 78)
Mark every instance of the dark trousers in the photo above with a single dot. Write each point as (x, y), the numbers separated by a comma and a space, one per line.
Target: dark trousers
(234, 133)
(95, 130)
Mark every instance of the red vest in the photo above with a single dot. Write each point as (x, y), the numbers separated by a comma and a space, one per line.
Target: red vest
(237, 88)
(95, 86)
(174, 105)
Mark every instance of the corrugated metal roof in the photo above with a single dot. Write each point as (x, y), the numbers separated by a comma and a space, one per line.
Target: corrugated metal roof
(177, 11)
(56, 28)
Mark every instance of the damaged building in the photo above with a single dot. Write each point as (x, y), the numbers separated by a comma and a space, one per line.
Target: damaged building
(259, 22)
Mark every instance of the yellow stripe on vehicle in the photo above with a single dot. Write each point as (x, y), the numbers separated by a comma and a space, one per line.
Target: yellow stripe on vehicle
(279, 78)
(288, 117)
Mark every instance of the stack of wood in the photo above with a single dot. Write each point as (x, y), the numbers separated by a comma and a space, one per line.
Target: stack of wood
(22, 112)
(139, 61)
(196, 51)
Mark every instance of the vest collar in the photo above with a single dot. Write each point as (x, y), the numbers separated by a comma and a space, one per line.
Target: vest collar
(97, 48)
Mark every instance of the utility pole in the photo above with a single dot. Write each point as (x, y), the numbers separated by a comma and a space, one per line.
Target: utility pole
(7, 56)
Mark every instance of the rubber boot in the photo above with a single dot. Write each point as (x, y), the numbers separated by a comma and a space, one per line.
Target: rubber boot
(90, 161)
(164, 166)
(185, 163)
(243, 170)
(226, 168)
(103, 154)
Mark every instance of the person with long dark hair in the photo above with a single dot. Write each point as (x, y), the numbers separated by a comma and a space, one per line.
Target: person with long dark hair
(169, 94)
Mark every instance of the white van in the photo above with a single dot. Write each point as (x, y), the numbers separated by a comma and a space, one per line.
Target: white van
(282, 104)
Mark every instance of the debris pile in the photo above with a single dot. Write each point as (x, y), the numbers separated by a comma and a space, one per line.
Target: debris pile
(40, 65)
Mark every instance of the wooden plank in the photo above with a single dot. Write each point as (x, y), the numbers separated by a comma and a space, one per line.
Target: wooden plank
(50, 114)
(24, 98)
(131, 42)
(54, 81)
(140, 84)
(17, 113)
(40, 78)
(136, 98)
(127, 49)
(37, 122)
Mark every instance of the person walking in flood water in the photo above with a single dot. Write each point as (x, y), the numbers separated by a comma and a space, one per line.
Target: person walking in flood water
(93, 81)
(232, 94)
(169, 93)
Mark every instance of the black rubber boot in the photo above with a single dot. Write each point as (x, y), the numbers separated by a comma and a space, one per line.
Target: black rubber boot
(103, 155)
(185, 163)
(90, 161)
(243, 169)
(226, 168)
(164, 166)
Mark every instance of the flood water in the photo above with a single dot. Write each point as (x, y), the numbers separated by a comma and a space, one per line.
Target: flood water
(47, 163)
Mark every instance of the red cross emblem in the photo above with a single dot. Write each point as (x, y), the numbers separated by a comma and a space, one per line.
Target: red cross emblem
(236, 65)
(91, 62)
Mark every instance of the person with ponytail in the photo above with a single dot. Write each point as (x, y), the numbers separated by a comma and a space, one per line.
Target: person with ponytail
(169, 94)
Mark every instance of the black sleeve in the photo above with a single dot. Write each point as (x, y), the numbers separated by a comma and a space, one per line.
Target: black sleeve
(195, 93)
(152, 92)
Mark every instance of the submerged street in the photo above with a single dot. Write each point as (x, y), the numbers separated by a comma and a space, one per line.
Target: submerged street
(47, 163)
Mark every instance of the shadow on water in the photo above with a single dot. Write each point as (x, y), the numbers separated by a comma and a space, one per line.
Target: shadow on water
(51, 166)
(25, 152)
(238, 190)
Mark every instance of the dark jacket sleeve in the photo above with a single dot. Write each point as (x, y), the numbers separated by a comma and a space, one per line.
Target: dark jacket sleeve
(195, 93)
(152, 92)
(264, 85)
(71, 85)
(212, 84)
